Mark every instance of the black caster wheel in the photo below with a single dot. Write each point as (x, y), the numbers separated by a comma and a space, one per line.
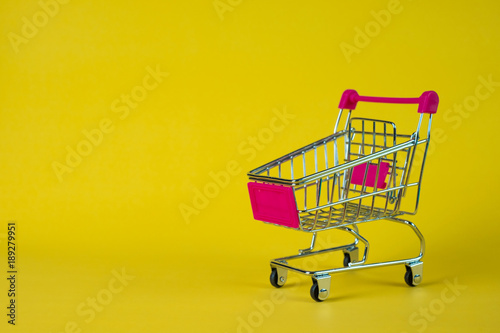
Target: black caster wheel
(413, 275)
(274, 278)
(315, 292)
(347, 259)
(409, 277)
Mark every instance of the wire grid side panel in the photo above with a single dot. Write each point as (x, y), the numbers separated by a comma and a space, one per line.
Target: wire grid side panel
(367, 137)
(320, 156)
(341, 200)
(335, 201)
(371, 136)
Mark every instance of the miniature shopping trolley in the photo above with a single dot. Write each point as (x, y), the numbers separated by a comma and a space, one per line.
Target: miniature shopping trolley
(365, 171)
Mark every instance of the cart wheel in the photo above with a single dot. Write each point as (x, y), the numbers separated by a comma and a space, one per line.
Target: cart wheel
(409, 278)
(274, 278)
(320, 289)
(347, 259)
(413, 275)
(315, 292)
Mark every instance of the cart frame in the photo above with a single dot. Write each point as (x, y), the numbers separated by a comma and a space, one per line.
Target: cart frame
(335, 197)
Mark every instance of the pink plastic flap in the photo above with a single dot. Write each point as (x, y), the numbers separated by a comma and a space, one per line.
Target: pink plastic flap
(358, 175)
(274, 204)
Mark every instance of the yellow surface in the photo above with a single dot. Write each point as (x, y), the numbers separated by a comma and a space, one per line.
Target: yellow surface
(103, 244)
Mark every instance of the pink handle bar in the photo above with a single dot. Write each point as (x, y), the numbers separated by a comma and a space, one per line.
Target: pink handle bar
(427, 102)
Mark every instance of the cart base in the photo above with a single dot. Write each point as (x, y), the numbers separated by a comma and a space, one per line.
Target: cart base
(320, 289)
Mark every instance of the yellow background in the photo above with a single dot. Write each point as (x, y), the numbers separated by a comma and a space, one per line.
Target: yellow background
(119, 210)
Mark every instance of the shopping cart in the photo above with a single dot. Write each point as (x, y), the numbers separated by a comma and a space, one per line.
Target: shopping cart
(312, 189)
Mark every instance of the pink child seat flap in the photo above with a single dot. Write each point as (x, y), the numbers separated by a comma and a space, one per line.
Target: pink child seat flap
(274, 204)
(358, 175)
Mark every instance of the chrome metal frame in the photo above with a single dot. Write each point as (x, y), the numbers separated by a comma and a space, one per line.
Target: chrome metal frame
(412, 262)
(327, 199)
